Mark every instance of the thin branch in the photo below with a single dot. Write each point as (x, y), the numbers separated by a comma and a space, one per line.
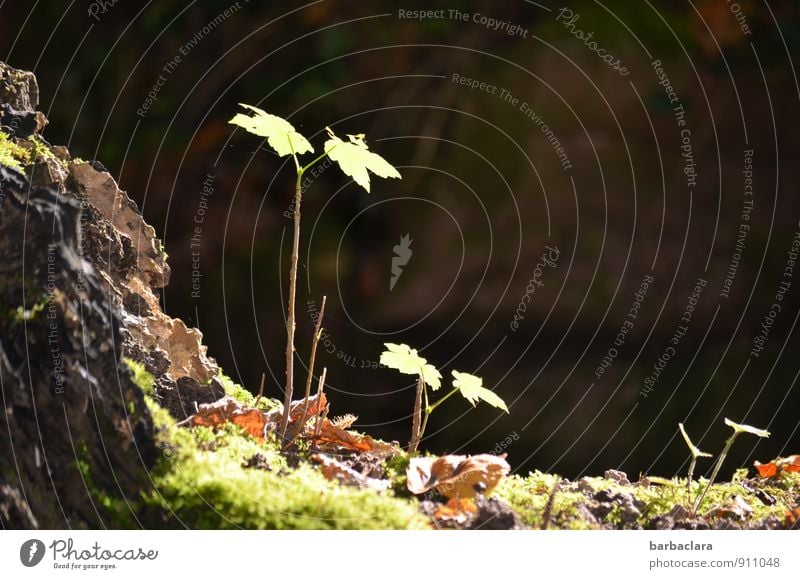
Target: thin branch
(260, 389)
(315, 342)
(548, 509)
(290, 322)
(320, 411)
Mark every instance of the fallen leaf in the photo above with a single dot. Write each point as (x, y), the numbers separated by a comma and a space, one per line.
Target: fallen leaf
(778, 466)
(316, 404)
(229, 409)
(455, 475)
(736, 508)
(333, 469)
(334, 438)
(792, 517)
(456, 510)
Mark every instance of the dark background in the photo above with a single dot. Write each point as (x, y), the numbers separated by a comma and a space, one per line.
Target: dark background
(482, 195)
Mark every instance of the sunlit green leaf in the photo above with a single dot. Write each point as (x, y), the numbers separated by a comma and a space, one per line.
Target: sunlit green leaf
(739, 428)
(279, 132)
(355, 158)
(405, 359)
(696, 452)
(471, 388)
(431, 376)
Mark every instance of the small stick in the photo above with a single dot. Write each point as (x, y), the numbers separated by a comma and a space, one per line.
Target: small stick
(321, 412)
(261, 389)
(317, 336)
(548, 509)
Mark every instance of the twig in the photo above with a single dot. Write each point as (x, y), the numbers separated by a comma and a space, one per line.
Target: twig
(317, 336)
(548, 509)
(320, 411)
(290, 320)
(261, 389)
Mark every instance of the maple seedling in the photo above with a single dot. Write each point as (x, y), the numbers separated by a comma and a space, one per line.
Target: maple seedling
(737, 430)
(406, 360)
(696, 453)
(355, 160)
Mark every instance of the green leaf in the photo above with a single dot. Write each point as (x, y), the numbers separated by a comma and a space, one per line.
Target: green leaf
(279, 132)
(471, 388)
(405, 359)
(696, 452)
(431, 376)
(739, 428)
(355, 158)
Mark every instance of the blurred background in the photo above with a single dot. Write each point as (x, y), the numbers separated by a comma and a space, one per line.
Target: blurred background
(572, 149)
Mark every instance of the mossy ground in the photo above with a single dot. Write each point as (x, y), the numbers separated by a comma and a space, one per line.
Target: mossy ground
(12, 154)
(600, 503)
(202, 481)
(207, 479)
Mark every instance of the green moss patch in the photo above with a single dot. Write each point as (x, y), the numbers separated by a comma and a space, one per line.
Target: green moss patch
(12, 154)
(206, 483)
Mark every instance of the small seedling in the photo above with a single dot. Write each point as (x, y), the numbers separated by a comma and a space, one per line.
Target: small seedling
(355, 160)
(696, 453)
(406, 360)
(737, 430)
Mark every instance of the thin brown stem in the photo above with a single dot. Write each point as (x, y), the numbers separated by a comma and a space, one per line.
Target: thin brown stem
(261, 389)
(416, 424)
(689, 477)
(320, 411)
(548, 509)
(314, 343)
(290, 321)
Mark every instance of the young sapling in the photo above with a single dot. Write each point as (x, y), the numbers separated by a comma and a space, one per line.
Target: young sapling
(696, 453)
(406, 360)
(737, 430)
(354, 159)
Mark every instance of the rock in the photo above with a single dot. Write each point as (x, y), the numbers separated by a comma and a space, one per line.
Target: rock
(18, 88)
(617, 476)
(87, 298)
(78, 438)
(584, 485)
(19, 98)
(494, 515)
(182, 397)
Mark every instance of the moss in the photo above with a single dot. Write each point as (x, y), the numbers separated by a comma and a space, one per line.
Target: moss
(205, 485)
(529, 496)
(235, 390)
(395, 468)
(141, 377)
(38, 150)
(21, 314)
(12, 154)
(244, 396)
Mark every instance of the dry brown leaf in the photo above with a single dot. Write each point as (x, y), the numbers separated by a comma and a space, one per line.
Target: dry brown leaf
(228, 409)
(736, 508)
(316, 404)
(333, 469)
(456, 510)
(778, 466)
(455, 475)
(334, 438)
